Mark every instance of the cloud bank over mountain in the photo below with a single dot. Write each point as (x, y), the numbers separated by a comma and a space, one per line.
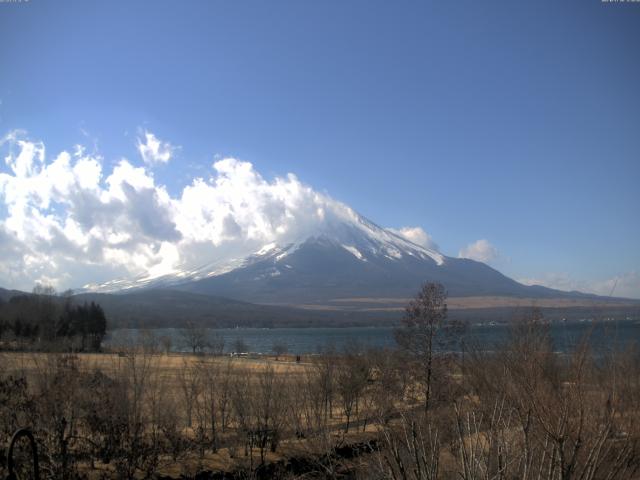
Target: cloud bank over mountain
(67, 221)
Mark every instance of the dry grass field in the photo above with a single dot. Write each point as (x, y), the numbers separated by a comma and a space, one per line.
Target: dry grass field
(463, 303)
(168, 366)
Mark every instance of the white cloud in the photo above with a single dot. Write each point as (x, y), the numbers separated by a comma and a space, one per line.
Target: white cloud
(67, 220)
(480, 250)
(416, 235)
(623, 285)
(153, 150)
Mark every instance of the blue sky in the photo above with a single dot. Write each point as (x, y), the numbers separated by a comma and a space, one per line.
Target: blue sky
(513, 122)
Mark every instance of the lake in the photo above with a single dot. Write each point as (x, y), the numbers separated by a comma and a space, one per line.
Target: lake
(565, 336)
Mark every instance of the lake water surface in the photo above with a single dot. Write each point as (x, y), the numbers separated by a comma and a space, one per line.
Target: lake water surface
(611, 334)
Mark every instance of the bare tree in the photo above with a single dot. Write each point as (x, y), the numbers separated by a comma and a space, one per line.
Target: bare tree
(279, 348)
(240, 346)
(410, 450)
(211, 378)
(223, 390)
(352, 375)
(390, 383)
(58, 385)
(148, 341)
(134, 453)
(189, 383)
(261, 410)
(166, 344)
(425, 328)
(325, 370)
(194, 337)
(216, 344)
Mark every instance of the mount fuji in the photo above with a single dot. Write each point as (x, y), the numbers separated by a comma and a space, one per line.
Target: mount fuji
(343, 259)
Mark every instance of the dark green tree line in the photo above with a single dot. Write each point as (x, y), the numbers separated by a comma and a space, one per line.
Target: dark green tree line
(44, 317)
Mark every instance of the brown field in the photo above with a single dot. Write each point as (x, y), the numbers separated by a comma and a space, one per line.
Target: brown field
(169, 365)
(462, 303)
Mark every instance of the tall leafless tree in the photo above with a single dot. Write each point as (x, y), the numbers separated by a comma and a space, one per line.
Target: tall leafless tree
(194, 337)
(424, 329)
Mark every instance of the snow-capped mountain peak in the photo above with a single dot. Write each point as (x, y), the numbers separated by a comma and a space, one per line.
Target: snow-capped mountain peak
(339, 227)
(349, 231)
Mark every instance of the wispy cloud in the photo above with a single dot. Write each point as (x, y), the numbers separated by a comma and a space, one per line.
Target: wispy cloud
(153, 150)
